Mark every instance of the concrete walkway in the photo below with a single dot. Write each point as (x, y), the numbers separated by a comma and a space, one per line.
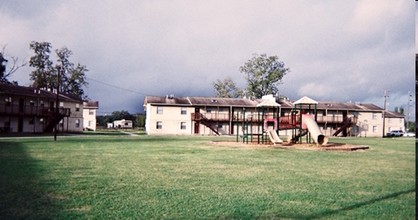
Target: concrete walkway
(128, 133)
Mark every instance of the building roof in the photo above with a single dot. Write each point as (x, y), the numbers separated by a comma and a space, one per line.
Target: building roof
(240, 102)
(198, 101)
(91, 104)
(7, 89)
(348, 106)
(389, 114)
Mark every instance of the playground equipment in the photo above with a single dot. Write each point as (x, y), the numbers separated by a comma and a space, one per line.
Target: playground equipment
(274, 138)
(256, 124)
(263, 125)
(309, 122)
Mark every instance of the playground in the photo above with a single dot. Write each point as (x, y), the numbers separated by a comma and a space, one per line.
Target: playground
(264, 126)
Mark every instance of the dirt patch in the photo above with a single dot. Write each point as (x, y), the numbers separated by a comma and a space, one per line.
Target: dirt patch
(326, 147)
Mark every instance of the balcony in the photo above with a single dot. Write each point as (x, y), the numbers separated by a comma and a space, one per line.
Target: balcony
(30, 110)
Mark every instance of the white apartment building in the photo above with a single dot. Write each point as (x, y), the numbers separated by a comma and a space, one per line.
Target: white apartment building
(225, 116)
(89, 115)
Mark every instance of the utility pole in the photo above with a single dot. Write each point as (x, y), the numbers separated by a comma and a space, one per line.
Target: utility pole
(384, 112)
(408, 114)
(57, 103)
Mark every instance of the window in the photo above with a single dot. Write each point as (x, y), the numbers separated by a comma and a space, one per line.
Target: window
(91, 112)
(374, 129)
(61, 104)
(183, 125)
(159, 125)
(208, 110)
(183, 110)
(374, 116)
(31, 121)
(90, 123)
(77, 123)
(8, 101)
(77, 107)
(159, 110)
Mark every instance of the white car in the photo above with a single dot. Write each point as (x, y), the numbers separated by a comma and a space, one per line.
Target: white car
(395, 133)
(409, 134)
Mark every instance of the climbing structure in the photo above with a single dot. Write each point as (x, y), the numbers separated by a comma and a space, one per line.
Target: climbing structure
(305, 110)
(258, 127)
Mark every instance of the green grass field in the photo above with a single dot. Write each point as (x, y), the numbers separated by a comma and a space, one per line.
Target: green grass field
(169, 177)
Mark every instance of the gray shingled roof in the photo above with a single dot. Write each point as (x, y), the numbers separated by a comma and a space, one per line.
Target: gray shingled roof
(389, 114)
(238, 102)
(7, 89)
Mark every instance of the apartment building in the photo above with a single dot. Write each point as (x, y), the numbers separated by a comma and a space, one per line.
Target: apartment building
(29, 110)
(226, 116)
(89, 115)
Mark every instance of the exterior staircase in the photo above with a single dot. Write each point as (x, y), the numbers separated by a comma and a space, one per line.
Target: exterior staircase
(54, 119)
(347, 123)
(212, 125)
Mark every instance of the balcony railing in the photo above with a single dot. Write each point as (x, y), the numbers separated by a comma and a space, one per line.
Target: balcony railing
(31, 110)
(287, 119)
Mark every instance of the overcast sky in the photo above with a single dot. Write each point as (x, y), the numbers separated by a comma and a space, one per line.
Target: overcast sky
(336, 50)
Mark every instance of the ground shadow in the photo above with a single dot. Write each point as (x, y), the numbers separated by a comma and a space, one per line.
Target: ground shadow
(357, 205)
(22, 197)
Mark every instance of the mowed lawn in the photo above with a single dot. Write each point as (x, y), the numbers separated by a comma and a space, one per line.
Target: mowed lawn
(172, 177)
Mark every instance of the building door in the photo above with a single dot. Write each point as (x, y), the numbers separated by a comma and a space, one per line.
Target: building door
(197, 124)
(345, 119)
(196, 128)
(20, 124)
(21, 105)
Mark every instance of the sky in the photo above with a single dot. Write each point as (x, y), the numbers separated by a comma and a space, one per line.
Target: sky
(345, 51)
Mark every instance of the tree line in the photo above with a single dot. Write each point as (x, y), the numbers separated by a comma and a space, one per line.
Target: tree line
(138, 120)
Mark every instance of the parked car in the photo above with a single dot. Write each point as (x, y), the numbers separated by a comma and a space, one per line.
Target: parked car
(409, 134)
(395, 133)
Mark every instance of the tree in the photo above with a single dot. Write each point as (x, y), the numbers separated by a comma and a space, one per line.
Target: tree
(72, 78)
(226, 88)
(263, 74)
(13, 66)
(42, 76)
(400, 110)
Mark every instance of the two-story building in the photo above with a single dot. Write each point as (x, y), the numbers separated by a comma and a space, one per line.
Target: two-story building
(29, 110)
(224, 116)
(89, 115)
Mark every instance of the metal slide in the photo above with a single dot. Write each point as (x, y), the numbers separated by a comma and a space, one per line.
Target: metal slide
(274, 138)
(313, 128)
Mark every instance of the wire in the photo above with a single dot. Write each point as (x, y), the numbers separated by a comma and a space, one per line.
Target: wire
(114, 86)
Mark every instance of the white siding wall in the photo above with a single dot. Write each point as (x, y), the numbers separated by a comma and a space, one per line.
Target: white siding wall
(89, 120)
(171, 120)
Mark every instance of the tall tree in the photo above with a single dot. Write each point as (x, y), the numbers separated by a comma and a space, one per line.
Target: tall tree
(43, 75)
(72, 78)
(226, 88)
(263, 74)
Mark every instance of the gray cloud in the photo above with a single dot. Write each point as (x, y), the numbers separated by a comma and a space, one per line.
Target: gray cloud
(336, 50)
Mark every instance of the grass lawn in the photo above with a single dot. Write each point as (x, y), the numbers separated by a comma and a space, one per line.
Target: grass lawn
(169, 177)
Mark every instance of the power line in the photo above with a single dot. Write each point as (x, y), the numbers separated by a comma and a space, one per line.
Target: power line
(114, 86)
